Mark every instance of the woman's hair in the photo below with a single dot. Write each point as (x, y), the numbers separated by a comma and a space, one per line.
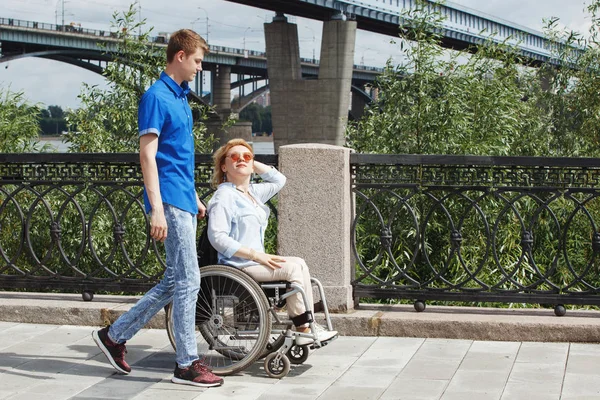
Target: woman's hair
(219, 159)
(186, 40)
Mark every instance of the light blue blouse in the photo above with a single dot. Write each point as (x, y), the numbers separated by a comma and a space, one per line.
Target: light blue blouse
(235, 221)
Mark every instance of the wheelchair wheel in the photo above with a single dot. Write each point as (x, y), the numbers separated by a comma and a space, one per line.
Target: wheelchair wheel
(298, 354)
(277, 365)
(232, 319)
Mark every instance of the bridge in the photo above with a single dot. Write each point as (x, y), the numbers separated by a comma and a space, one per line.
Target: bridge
(463, 26)
(93, 49)
(303, 110)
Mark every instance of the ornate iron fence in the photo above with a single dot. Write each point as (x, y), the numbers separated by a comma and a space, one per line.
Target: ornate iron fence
(77, 222)
(477, 229)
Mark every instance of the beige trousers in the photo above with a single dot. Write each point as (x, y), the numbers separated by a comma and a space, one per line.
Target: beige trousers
(294, 270)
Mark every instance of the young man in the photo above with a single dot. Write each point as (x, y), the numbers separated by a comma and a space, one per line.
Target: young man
(167, 160)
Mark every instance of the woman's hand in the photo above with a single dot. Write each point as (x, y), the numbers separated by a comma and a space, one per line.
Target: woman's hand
(270, 260)
(260, 168)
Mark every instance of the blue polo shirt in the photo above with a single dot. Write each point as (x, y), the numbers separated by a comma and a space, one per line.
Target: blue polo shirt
(165, 112)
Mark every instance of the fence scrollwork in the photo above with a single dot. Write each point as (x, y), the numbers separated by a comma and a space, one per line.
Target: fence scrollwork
(483, 229)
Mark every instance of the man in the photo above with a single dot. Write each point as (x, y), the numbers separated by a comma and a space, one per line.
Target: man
(167, 161)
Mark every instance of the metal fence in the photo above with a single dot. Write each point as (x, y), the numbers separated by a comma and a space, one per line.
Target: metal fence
(477, 229)
(77, 222)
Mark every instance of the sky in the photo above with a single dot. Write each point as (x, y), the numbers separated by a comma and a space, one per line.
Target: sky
(53, 83)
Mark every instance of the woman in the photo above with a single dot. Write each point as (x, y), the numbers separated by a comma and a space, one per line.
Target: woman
(237, 220)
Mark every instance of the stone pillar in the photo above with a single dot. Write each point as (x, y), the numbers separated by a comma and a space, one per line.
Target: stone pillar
(310, 111)
(315, 214)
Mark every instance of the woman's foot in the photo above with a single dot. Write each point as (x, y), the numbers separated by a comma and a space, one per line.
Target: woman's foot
(302, 340)
(323, 334)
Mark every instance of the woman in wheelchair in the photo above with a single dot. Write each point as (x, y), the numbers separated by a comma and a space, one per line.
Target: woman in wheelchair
(237, 220)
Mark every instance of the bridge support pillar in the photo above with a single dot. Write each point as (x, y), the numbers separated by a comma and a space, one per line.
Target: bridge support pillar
(241, 129)
(222, 89)
(221, 85)
(310, 111)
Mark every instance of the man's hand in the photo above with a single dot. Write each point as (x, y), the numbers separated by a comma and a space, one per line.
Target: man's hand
(201, 208)
(158, 225)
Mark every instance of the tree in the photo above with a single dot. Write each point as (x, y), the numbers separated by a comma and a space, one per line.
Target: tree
(252, 112)
(56, 112)
(259, 116)
(19, 128)
(52, 121)
(450, 102)
(487, 103)
(107, 119)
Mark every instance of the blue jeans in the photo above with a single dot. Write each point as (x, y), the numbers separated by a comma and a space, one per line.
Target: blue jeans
(180, 283)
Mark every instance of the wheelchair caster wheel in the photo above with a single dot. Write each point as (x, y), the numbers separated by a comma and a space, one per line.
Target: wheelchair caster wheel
(277, 365)
(298, 354)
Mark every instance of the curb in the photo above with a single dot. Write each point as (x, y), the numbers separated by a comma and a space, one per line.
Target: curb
(469, 323)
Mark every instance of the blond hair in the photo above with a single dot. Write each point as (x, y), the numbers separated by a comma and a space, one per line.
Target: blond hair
(219, 159)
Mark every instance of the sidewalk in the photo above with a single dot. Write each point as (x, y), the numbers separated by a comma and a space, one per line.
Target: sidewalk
(62, 362)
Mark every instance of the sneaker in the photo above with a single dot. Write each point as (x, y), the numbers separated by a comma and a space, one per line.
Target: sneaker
(302, 340)
(115, 352)
(324, 334)
(196, 374)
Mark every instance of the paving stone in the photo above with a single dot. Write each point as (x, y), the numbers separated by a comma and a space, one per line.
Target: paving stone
(543, 353)
(352, 393)
(480, 382)
(583, 364)
(430, 368)
(160, 394)
(578, 386)
(379, 377)
(415, 389)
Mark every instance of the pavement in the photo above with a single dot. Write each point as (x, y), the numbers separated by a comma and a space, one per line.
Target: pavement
(59, 360)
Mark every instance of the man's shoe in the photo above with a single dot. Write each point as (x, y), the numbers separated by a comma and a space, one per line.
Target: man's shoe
(115, 352)
(196, 374)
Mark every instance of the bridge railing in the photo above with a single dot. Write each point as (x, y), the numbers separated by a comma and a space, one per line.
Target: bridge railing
(70, 28)
(77, 222)
(160, 39)
(477, 229)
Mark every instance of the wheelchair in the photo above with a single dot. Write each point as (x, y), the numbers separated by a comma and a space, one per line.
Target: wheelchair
(237, 322)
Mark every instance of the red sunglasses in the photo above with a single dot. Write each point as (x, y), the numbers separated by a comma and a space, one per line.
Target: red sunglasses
(236, 157)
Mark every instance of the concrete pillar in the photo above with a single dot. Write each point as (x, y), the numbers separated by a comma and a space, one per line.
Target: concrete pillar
(222, 89)
(315, 214)
(310, 111)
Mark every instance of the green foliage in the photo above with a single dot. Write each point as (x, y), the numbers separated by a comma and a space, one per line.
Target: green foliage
(259, 116)
(107, 119)
(19, 128)
(52, 121)
(485, 103)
